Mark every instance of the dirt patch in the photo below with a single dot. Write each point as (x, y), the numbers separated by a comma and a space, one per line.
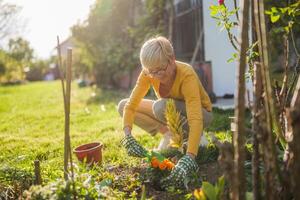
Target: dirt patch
(210, 171)
(127, 179)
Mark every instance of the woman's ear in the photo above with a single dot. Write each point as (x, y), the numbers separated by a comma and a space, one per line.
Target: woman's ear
(173, 60)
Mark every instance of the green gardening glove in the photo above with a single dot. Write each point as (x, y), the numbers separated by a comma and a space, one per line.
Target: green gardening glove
(133, 147)
(184, 168)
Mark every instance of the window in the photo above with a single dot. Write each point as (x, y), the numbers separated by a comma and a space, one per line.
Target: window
(188, 23)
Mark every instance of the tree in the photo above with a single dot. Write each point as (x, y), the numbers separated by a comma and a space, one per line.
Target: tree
(8, 65)
(113, 33)
(21, 52)
(37, 70)
(283, 25)
(2, 66)
(8, 13)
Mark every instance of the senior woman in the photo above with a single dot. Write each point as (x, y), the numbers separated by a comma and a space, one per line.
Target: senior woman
(169, 79)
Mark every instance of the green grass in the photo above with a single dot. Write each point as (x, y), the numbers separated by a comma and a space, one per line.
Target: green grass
(32, 127)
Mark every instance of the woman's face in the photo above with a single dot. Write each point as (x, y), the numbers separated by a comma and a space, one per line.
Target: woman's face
(163, 72)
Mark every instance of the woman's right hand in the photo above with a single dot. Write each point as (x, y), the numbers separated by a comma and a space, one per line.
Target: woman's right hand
(132, 147)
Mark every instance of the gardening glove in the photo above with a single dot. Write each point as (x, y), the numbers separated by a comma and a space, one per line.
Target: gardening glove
(133, 147)
(184, 168)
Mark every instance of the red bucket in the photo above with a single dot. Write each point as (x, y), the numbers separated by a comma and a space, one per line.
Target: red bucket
(90, 153)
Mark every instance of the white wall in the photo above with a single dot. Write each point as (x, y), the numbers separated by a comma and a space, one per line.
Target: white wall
(218, 50)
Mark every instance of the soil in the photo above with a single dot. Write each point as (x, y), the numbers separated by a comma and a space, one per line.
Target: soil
(208, 172)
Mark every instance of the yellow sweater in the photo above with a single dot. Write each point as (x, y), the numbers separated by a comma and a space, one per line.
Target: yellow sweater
(186, 87)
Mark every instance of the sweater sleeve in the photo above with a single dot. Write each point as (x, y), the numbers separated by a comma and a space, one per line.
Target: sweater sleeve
(205, 100)
(140, 90)
(194, 112)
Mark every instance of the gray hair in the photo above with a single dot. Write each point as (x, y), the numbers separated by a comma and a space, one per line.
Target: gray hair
(156, 52)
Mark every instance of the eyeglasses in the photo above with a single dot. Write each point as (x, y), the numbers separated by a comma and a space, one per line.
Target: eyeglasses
(156, 72)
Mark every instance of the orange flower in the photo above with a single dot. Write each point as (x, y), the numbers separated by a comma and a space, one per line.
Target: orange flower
(170, 165)
(166, 164)
(162, 165)
(154, 162)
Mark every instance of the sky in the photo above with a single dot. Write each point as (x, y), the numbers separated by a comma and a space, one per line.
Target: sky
(45, 19)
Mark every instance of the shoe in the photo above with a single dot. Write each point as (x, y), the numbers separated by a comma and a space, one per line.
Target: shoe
(203, 141)
(165, 141)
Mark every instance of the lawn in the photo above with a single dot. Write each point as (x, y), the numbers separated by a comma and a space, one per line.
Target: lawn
(32, 128)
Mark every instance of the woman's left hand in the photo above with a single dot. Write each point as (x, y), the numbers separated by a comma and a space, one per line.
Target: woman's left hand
(185, 167)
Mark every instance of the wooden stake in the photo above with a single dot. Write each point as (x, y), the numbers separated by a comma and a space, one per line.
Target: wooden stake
(256, 112)
(60, 67)
(266, 76)
(67, 112)
(294, 144)
(67, 99)
(239, 179)
(296, 97)
(271, 172)
(37, 172)
(67, 121)
(257, 130)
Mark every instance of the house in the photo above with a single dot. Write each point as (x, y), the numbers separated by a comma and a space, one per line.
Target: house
(64, 45)
(53, 71)
(198, 40)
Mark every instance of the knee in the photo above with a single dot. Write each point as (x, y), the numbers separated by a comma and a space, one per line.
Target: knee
(121, 106)
(158, 109)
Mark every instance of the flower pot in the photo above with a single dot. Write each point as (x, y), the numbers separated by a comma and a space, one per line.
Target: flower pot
(90, 153)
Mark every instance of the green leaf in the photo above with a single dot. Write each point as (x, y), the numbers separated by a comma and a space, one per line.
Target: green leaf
(230, 60)
(217, 18)
(267, 12)
(220, 185)
(233, 58)
(143, 195)
(159, 156)
(287, 29)
(232, 12)
(213, 7)
(213, 10)
(209, 190)
(290, 11)
(274, 10)
(283, 10)
(223, 8)
(275, 18)
(148, 156)
(188, 196)
(221, 181)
